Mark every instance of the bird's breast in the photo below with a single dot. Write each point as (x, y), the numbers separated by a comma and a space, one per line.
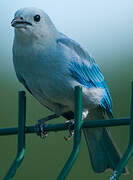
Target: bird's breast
(45, 74)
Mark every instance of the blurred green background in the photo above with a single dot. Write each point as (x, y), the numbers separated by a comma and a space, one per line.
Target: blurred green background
(105, 28)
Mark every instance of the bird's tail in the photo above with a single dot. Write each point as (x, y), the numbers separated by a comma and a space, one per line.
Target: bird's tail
(102, 149)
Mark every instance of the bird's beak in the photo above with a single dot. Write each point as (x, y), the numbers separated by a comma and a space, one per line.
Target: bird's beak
(19, 22)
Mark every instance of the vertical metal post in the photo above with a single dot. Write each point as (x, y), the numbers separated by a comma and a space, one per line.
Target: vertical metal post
(21, 137)
(131, 121)
(77, 134)
(129, 152)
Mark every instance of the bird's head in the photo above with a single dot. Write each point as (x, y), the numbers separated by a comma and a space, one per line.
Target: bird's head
(32, 23)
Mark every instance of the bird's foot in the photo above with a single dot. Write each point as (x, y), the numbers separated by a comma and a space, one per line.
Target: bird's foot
(69, 123)
(40, 130)
(40, 126)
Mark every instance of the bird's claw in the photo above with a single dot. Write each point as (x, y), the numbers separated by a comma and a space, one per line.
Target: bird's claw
(70, 123)
(40, 130)
(40, 126)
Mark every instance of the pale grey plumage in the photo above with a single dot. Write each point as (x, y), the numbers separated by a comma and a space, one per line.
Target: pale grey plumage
(44, 59)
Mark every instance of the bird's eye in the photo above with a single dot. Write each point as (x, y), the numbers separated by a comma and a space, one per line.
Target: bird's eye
(37, 18)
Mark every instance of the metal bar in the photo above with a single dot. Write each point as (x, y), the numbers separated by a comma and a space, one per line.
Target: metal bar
(131, 114)
(129, 152)
(62, 126)
(21, 137)
(77, 134)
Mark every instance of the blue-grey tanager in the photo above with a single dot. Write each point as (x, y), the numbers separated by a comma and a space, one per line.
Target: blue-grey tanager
(50, 65)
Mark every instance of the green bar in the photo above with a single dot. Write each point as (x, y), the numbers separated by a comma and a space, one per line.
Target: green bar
(129, 152)
(106, 123)
(77, 134)
(21, 137)
(62, 126)
(131, 114)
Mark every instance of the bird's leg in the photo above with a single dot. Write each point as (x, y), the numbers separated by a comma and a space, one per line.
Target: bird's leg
(40, 131)
(69, 123)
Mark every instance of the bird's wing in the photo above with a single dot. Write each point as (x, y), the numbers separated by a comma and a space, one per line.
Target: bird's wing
(86, 72)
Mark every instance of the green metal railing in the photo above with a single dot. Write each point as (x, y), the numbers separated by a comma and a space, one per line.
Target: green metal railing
(22, 130)
(21, 137)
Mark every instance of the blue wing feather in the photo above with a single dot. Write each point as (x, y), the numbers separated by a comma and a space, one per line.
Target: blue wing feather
(86, 72)
(92, 77)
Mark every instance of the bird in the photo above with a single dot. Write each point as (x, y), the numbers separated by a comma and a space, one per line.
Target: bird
(50, 64)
